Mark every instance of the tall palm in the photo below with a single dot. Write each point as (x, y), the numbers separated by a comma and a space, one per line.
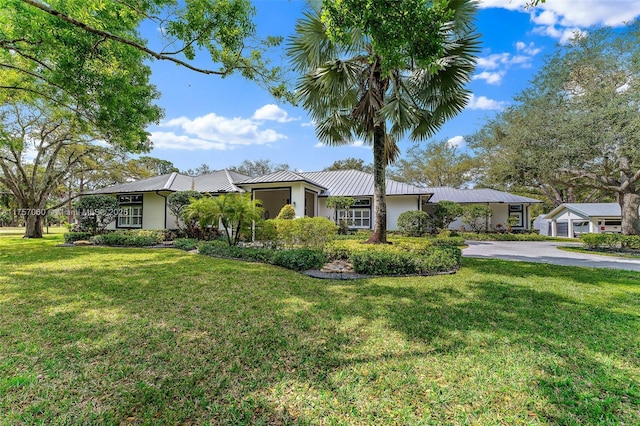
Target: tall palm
(350, 95)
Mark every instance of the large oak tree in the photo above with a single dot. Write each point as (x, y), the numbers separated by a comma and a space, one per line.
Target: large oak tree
(576, 128)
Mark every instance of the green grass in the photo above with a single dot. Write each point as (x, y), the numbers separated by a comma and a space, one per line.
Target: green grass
(97, 335)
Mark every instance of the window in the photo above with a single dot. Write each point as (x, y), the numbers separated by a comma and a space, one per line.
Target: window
(362, 202)
(130, 214)
(356, 218)
(130, 199)
(130, 217)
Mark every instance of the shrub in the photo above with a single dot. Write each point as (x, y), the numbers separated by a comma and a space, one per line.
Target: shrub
(476, 216)
(266, 231)
(176, 202)
(448, 241)
(95, 212)
(185, 243)
(299, 259)
(444, 213)
(137, 238)
(287, 212)
(414, 223)
(392, 262)
(295, 259)
(611, 242)
(70, 237)
(305, 232)
(501, 237)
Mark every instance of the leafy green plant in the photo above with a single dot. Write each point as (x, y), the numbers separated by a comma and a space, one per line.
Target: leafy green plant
(448, 241)
(611, 242)
(176, 202)
(186, 244)
(129, 238)
(305, 232)
(500, 236)
(397, 262)
(70, 237)
(287, 212)
(299, 259)
(444, 213)
(95, 212)
(414, 223)
(476, 216)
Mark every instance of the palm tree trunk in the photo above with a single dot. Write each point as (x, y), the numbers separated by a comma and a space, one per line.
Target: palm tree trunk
(379, 235)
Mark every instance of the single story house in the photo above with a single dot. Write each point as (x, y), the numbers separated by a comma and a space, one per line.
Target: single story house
(574, 219)
(144, 203)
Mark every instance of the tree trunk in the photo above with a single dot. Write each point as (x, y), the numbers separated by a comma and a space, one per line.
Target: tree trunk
(33, 227)
(629, 204)
(379, 235)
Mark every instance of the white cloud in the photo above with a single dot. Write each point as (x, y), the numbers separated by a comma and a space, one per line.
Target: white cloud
(529, 49)
(490, 77)
(272, 112)
(308, 124)
(482, 102)
(559, 18)
(354, 144)
(169, 140)
(457, 142)
(212, 131)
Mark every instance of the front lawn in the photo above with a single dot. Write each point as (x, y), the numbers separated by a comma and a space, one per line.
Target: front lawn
(94, 335)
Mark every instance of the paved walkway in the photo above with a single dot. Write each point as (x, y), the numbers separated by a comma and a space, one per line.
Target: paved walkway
(546, 252)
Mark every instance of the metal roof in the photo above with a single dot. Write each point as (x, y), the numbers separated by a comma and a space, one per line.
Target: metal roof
(281, 176)
(481, 195)
(587, 210)
(216, 182)
(353, 183)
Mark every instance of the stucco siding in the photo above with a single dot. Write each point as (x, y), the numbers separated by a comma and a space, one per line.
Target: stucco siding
(396, 206)
(153, 211)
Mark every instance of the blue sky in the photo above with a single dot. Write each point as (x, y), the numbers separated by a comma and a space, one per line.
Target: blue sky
(221, 122)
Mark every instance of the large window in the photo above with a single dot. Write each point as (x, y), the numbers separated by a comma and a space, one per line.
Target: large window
(356, 218)
(130, 211)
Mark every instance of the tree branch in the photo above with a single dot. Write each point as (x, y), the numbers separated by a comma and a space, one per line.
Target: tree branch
(160, 56)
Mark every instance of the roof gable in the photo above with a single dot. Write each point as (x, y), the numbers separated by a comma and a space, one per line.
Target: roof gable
(587, 210)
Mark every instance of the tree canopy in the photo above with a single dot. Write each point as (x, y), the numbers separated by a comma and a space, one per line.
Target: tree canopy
(575, 128)
(437, 164)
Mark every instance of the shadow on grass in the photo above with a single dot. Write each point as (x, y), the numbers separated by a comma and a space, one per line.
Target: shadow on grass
(144, 336)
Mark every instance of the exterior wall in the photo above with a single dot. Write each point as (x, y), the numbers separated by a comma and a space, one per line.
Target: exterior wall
(323, 210)
(396, 205)
(278, 200)
(153, 211)
(500, 214)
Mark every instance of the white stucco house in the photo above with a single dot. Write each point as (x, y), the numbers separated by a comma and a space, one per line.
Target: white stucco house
(144, 203)
(573, 219)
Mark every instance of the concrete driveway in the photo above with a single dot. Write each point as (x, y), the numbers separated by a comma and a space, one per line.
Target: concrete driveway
(546, 252)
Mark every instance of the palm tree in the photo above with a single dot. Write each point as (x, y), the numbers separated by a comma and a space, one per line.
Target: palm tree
(351, 95)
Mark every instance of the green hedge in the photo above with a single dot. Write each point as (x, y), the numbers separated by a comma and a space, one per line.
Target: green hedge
(448, 241)
(611, 242)
(497, 236)
(71, 237)
(131, 238)
(185, 243)
(300, 259)
(295, 259)
(396, 262)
